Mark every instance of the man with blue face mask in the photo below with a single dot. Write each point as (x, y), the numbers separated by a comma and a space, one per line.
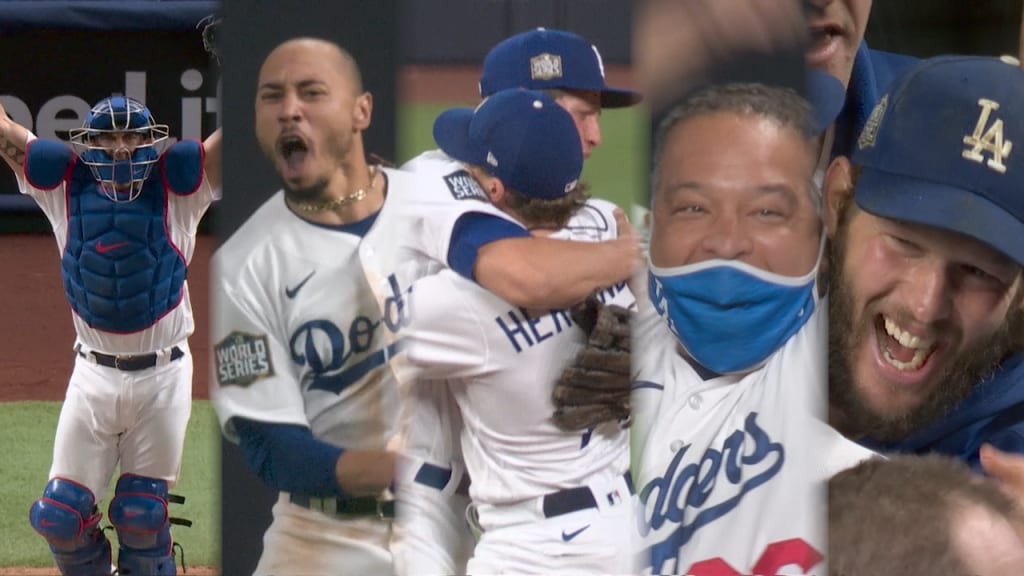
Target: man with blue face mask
(730, 353)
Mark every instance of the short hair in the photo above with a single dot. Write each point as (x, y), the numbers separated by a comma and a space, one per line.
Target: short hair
(895, 516)
(784, 106)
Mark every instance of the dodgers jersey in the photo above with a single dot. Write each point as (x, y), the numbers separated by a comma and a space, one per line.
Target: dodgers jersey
(307, 317)
(430, 421)
(502, 363)
(732, 471)
(183, 213)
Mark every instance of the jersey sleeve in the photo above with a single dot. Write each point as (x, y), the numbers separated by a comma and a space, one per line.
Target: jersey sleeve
(446, 197)
(445, 339)
(51, 201)
(183, 174)
(253, 377)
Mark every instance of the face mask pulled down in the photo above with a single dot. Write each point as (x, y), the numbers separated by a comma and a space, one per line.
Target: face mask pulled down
(730, 316)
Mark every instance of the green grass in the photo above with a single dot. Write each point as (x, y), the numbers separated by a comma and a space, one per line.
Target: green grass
(28, 429)
(615, 171)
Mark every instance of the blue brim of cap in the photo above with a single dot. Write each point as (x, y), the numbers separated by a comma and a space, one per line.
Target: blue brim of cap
(940, 206)
(451, 132)
(827, 95)
(619, 98)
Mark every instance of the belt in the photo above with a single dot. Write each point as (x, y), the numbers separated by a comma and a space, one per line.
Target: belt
(437, 478)
(129, 363)
(365, 506)
(575, 499)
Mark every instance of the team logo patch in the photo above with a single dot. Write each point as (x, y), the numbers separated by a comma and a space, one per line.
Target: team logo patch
(545, 66)
(870, 131)
(242, 359)
(988, 138)
(464, 187)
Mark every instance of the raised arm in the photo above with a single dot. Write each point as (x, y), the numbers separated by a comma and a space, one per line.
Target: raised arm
(13, 140)
(212, 164)
(546, 273)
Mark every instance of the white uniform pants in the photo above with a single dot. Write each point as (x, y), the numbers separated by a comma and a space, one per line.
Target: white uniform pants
(304, 542)
(518, 539)
(135, 418)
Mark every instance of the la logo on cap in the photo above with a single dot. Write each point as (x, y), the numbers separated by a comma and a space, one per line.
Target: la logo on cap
(988, 139)
(545, 66)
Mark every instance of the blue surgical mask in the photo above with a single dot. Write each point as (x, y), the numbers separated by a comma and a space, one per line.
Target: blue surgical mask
(730, 316)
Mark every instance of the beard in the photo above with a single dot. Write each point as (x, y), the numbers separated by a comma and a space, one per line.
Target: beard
(847, 333)
(312, 193)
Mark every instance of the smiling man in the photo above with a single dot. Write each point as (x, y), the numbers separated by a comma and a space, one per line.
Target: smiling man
(729, 394)
(927, 223)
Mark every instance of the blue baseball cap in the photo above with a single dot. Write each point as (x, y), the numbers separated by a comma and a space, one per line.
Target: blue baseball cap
(544, 59)
(942, 148)
(522, 137)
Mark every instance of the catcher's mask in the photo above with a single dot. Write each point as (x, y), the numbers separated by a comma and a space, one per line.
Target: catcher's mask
(118, 144)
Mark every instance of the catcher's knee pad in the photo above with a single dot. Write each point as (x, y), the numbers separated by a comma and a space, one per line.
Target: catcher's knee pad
(139, 514)
(66, 516)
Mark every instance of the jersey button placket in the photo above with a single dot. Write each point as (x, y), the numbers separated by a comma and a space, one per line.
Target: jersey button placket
(695, 401)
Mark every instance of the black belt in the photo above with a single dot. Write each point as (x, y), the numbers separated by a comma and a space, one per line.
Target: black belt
(365, 506)
(129, 363)
(437, 478)
(575, 499)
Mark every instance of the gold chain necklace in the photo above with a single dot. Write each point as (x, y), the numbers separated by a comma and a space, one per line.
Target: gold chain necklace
(313, 207)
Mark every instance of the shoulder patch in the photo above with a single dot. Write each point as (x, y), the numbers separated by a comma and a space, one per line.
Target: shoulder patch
(242, 359)
(464, 187)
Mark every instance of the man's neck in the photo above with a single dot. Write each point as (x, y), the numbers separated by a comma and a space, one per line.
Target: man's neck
(360, 188)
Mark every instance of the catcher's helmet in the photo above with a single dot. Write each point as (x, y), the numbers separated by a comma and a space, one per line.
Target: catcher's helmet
(120, 165)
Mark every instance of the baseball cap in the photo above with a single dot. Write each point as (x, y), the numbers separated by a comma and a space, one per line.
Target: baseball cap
(942, 149)
(522, 137)
(541, 59)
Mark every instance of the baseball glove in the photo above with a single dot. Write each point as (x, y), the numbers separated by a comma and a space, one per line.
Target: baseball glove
(596, 387)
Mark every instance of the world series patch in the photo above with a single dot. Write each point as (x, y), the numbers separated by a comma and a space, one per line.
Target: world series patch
(464, 187)
(243, 358)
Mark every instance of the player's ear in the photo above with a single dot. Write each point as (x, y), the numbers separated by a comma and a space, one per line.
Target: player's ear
(496, 190)
(363, 111)
(838, 191)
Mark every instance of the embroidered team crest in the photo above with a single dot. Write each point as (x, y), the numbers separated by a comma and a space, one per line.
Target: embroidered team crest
(545, 66)
(464, 187)
(988, 138)
(870, 131)
(242, 359)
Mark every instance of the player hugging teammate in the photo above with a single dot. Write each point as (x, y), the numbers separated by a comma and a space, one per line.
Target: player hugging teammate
(312, 296)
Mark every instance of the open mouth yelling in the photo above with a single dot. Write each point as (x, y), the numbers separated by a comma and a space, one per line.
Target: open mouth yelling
(293, 149)
(824, 43)
(908, 356)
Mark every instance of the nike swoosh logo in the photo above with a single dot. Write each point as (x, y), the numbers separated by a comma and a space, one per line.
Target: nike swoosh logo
(104, 248)
(571, 535)
(47, 523)
(291, 292)
(132, 513)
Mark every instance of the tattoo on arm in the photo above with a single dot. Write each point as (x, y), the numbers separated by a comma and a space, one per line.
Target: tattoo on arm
(12, 150)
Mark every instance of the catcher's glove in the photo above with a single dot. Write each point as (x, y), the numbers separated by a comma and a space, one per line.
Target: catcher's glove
(596, 387)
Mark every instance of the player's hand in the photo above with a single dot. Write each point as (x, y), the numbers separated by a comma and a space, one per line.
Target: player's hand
(628, 245)
(705, 31)
(1007, 468)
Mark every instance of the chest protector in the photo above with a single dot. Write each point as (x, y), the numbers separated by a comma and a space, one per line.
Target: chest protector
(121, 271)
